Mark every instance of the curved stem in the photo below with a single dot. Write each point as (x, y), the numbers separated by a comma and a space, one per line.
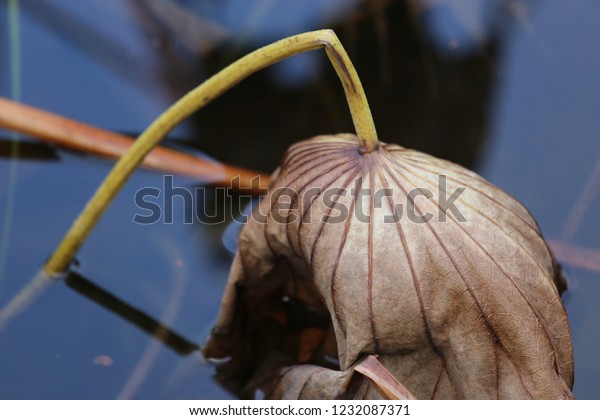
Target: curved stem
(196, 99)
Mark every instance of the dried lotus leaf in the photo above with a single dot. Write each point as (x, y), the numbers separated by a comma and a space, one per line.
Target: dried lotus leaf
(462, 304)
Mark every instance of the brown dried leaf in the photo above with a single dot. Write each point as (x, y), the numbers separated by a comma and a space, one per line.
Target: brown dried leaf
(309, 382)
(455, 309)
(305, 382)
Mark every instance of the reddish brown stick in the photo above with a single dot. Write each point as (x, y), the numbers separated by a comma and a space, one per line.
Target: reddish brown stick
(576, 255)
(582, 204)
(82, 137)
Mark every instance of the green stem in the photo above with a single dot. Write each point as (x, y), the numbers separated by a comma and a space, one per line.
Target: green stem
(15, 75)
(196, 99)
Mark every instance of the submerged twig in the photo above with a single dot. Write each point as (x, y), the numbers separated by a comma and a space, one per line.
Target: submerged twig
(581, 205)
(144, 365)
(24, 298)
(576, 255)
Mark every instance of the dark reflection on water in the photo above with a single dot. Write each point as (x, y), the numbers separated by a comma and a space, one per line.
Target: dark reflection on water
(509, 88)
(134, 316)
